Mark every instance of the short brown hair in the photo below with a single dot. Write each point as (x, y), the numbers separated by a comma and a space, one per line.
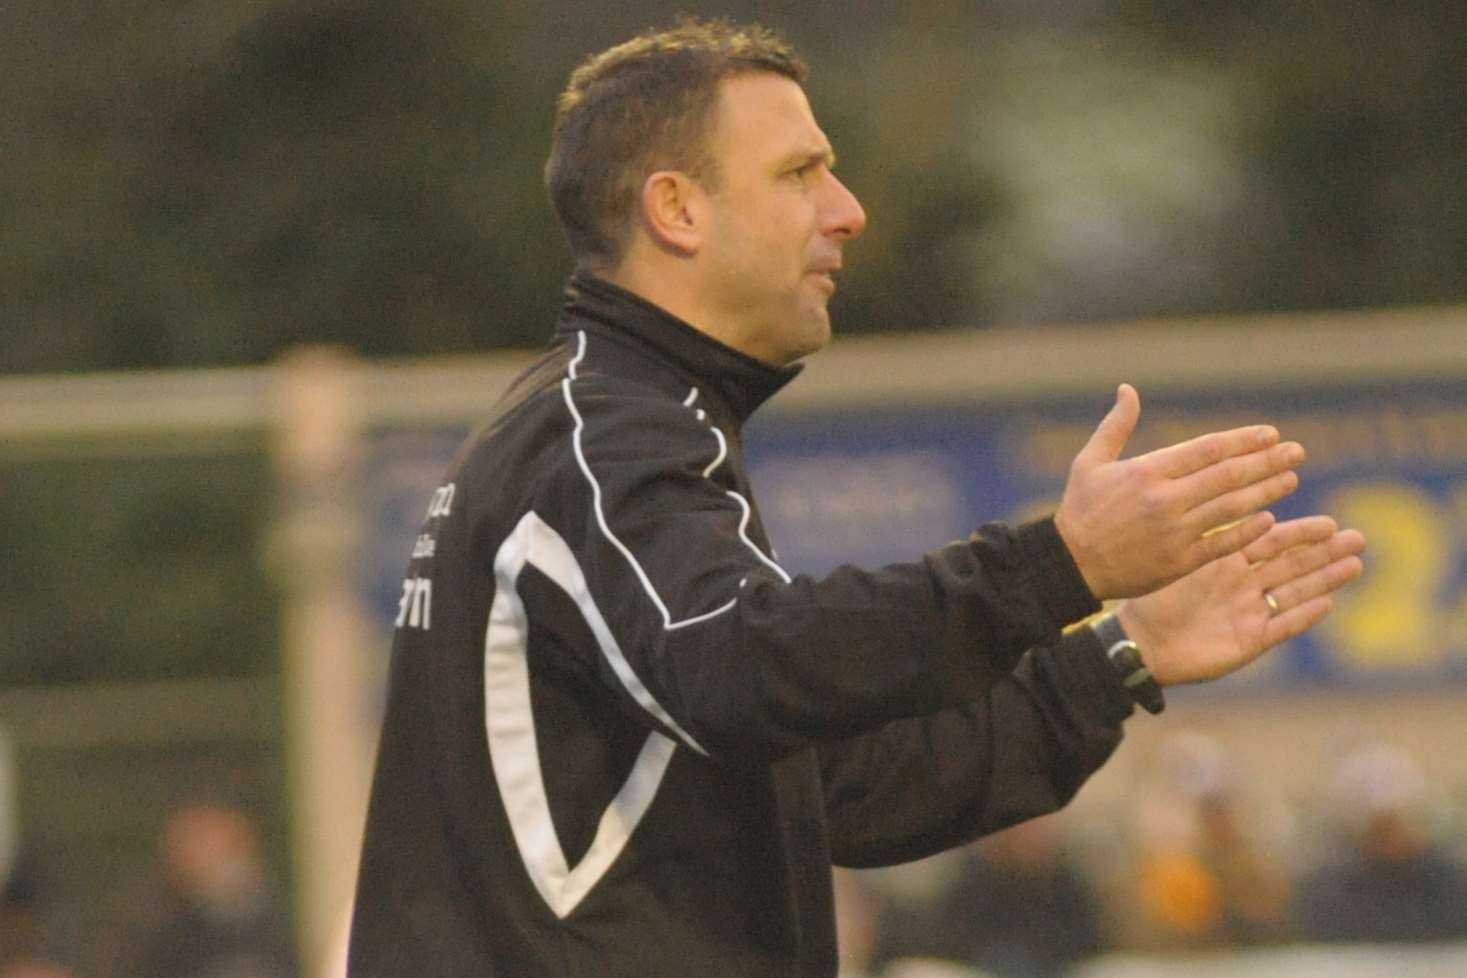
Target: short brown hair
(644, 105)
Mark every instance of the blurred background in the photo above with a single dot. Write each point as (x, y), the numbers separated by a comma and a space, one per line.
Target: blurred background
(263, 263)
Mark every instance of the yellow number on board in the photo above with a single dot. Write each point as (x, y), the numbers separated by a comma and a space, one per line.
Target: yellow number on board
(1390, 619)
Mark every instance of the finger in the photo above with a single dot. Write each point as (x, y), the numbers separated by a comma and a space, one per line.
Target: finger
(1115, 429)
(1303, 560)
(1239, 503)
(1288, 535)
(1295, 621)
(1318, 585)
(1176, 461)
(1322, 576)
(1238, 472)
(1347, 542)
(1232, 537)
(1278, 573)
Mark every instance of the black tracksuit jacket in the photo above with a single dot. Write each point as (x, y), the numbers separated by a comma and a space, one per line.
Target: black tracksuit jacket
(622, 742)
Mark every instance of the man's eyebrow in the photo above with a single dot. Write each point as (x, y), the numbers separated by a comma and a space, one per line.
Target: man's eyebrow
(814, 154)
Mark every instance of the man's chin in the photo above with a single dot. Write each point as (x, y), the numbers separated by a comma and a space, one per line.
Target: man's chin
(814, 334)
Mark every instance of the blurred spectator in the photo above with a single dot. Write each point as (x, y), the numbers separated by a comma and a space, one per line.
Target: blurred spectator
(1014, 906)
(209, 912)
(898, 909)
(1206, 870)
(1390, 877)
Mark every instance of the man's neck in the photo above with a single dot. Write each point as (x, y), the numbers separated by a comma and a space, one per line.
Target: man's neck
(669, 292)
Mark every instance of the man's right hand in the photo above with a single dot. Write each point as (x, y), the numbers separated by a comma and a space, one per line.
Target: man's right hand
(1137, 524)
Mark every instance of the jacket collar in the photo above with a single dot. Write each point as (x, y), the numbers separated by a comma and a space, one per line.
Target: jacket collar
(740, 380)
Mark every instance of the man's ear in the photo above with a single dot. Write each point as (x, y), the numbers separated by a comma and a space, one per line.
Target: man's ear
(672, 211)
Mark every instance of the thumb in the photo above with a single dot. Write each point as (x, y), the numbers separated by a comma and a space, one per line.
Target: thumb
(1114, 430)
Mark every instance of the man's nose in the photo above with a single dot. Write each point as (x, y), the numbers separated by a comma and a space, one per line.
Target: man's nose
(844, 215)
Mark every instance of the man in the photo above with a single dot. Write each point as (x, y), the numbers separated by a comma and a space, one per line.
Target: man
(207, 908)
(620, 739)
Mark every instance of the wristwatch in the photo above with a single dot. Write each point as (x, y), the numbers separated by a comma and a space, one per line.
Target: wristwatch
(1125, 658)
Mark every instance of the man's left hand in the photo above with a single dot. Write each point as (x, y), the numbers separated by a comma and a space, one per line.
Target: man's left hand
(1219, 618)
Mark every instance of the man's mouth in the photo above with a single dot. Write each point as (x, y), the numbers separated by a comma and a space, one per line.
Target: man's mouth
(826, 275)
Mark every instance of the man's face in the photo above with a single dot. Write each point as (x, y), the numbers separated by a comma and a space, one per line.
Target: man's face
(778, 219)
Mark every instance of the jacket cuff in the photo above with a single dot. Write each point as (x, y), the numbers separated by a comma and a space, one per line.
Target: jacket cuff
(1085, 677)
(1062, 589)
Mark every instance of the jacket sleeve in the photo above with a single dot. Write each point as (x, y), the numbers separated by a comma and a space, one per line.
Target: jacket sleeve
(725, 651)
(919, 786)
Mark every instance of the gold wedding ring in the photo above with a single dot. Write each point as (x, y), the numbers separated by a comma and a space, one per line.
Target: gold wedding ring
(1272, 602)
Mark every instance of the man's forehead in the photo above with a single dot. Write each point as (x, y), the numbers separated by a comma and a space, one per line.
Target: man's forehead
(764, 103)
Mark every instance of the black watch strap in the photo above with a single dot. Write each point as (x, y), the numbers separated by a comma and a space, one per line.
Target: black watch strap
(1125, 657)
